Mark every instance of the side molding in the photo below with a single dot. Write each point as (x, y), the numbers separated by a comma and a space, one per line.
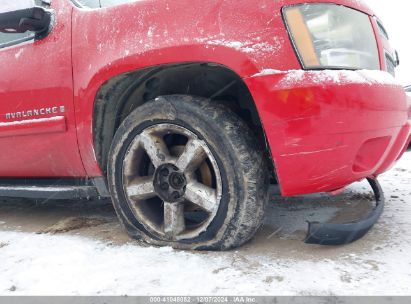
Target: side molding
(54, 124)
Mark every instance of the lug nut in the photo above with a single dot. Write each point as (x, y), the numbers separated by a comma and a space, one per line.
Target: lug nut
(175, 195)
(164, 172)
(164, 186)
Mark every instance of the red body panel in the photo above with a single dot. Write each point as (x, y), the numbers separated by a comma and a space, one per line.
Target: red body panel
(319, 133)
(326, 135)
(37, 75)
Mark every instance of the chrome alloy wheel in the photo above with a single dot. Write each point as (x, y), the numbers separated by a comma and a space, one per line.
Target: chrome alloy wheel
(172, 182)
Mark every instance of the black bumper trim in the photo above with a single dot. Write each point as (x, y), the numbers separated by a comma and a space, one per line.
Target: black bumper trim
(340, 234)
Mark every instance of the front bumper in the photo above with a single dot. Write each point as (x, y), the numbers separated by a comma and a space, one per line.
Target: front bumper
(328, 129)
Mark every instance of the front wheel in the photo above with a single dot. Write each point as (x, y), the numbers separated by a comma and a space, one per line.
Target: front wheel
(188, 173)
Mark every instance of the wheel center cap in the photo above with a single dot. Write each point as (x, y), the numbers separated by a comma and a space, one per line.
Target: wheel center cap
(170, 183)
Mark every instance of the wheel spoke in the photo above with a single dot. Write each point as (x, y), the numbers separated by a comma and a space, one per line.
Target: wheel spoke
(202, 196)
(174, 222)
(192, 156)
(155, 148)
(141, 188)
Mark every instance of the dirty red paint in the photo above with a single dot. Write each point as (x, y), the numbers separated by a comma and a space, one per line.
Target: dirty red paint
(317, 131)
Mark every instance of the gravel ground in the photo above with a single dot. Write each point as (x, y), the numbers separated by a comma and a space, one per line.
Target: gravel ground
(72, 248)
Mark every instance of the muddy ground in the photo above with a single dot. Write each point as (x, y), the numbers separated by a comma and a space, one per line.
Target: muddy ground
(79, 247)
(284, 229)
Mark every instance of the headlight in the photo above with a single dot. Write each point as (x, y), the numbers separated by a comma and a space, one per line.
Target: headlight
(332, 36)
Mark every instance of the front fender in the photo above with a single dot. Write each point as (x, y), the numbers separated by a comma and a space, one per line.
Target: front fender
(241, 35)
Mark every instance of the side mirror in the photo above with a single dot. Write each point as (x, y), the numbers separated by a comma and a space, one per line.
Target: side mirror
(20, 16)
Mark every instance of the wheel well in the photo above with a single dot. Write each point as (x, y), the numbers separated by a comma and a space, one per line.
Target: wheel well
(118, 97)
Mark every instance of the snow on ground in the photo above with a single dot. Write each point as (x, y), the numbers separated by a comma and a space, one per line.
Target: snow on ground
(276, 262)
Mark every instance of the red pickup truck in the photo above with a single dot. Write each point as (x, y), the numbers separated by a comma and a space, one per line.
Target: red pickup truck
(183, 112)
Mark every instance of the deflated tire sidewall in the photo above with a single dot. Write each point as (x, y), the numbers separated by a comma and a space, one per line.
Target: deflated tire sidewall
(194, 118)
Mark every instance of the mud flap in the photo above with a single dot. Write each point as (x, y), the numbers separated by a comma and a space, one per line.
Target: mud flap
(340, 234)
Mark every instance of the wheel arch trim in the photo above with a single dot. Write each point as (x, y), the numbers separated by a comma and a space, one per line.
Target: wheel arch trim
(124, 85)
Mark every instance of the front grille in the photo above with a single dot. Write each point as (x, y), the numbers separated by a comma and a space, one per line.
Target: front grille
(390, 64)
(382, 30)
